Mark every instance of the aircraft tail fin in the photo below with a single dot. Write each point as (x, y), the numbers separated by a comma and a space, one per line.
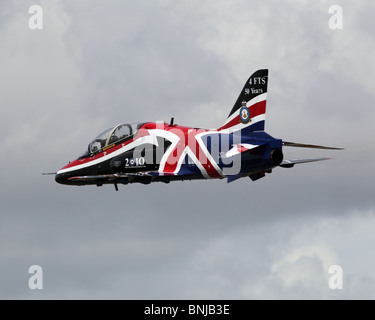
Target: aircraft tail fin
(248, 113)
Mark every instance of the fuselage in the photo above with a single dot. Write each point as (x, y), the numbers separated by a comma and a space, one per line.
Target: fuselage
(155, 151)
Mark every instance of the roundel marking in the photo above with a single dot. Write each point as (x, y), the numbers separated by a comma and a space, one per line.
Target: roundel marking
(244, 114)
(131, 162)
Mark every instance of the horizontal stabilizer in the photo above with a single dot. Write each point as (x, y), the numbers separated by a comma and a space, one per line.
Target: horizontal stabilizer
(312, 146)
(291, 163)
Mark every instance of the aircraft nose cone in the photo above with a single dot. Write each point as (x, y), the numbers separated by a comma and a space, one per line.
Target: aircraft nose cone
(61, 178)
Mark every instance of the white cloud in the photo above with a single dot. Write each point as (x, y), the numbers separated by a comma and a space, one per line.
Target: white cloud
(284, 260)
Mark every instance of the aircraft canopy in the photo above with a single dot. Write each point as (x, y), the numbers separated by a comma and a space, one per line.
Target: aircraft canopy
(111, 136)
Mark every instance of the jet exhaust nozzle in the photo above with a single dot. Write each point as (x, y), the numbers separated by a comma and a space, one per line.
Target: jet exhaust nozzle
(276, 156)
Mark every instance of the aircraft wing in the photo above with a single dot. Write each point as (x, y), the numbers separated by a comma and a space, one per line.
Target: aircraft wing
(102, 177)
(109, 177)
(291, 163)
(117, 176)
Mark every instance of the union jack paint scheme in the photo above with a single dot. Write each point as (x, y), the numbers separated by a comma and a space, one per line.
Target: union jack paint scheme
(157, 151)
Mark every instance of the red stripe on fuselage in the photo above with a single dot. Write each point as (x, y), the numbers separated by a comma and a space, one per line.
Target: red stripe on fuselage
(99, 155)
(141, 133)
(188, 139)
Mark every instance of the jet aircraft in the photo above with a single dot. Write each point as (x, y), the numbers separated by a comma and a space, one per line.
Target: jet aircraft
(159, 151)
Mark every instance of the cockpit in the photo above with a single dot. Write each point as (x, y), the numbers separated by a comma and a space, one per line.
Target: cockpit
(109, 137)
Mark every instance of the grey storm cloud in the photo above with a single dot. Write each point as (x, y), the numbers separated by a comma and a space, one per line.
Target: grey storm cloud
(96, 64)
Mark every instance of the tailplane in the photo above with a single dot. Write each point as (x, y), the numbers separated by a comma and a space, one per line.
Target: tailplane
(248, 113)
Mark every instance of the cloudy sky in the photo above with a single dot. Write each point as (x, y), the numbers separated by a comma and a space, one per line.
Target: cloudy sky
(96, 64)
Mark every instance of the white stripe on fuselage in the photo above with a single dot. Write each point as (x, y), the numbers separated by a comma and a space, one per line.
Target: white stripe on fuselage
(198, 137)
(153, 133)
(190, 153)
(136, 143)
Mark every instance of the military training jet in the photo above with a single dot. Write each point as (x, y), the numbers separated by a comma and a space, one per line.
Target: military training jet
(159, 151)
